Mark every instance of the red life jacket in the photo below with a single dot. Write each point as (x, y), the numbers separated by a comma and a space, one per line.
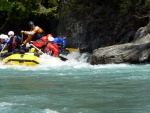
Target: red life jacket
(38, 43)
(51, 49)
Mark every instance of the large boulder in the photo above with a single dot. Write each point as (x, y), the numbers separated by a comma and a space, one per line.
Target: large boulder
(138, 51)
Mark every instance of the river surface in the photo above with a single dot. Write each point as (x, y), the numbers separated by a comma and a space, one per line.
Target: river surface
(75, 86)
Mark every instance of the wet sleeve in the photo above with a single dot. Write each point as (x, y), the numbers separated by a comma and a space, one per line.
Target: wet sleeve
(63, 43)
(18, 39)
(55, 50)
(0, 48)
(29, 38)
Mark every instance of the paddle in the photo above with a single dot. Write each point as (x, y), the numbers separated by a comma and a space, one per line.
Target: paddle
(61, 57)
(22, 38)
(73, 49)
(2, 50)
(37, 48)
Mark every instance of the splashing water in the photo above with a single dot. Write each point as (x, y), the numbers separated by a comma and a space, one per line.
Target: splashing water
(75, 60)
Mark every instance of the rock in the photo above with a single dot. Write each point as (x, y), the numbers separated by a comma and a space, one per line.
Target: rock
(91, 33)
(138, 51)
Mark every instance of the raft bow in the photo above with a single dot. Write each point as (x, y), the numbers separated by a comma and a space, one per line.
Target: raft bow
(21, 59)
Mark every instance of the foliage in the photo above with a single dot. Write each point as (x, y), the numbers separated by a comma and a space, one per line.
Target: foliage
(4, 5)
(138, 6)
(25, 9)
(98, 7)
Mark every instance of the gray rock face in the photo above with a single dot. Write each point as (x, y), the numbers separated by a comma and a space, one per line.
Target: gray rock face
(91, 33)
(111, 38)
(138, 51)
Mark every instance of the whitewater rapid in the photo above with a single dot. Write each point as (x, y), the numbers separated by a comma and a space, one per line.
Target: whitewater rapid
(75, 61)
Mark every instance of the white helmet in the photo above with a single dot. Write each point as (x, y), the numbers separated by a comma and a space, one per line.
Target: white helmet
(11, 33)
(2, 36)
(50, 38)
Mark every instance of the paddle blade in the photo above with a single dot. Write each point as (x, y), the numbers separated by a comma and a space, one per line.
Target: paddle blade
(63, 58)
(73, 49)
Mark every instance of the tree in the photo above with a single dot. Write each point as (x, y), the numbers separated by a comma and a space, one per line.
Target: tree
(20, 10)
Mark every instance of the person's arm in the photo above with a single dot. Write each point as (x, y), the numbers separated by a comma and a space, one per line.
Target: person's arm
(0, 47)
(64, 43)
(18, 39)
(29, 38)
(32, 32)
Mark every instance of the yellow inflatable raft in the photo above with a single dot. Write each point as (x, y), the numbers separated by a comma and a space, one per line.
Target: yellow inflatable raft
(21, 59)
(29, 59)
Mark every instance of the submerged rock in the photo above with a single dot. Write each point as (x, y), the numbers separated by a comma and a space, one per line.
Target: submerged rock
(138, 51)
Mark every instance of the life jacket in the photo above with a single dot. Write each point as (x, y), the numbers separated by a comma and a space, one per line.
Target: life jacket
(13, 43)
(38, 43)
(51, 49)
(34, 34)
(39, 33)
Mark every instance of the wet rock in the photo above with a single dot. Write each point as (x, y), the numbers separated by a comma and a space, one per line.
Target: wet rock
(138, 51)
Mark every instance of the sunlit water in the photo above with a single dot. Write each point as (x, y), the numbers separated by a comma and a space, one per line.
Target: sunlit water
(75, 86)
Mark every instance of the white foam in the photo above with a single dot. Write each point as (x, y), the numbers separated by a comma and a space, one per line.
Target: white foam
(75, 60)
(5, 104)
(50, 111)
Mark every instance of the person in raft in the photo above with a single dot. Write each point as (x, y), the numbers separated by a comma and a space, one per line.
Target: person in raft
(50, 47)
(34, 34)
(61, 42)
(3, 42)
(47, 45)
(14, 42)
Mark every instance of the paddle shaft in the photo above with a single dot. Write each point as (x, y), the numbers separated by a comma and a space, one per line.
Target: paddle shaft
(22, 38)
(3, 48)
(36, 48)
(73, 49)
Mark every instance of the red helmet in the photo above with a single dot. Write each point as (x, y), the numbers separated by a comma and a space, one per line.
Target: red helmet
(49, 35)
(45, 39)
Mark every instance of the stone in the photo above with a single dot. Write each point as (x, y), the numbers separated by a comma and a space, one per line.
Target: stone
(137, 51)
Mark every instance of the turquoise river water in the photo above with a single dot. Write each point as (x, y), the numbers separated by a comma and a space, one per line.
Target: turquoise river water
(75, 86)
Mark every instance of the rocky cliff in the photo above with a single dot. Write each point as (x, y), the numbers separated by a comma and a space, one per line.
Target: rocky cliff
(111, 38)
